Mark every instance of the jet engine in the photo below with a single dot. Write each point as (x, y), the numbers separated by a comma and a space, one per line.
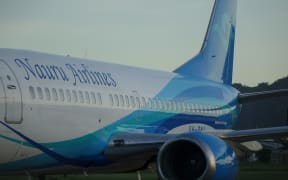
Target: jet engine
(196, 156)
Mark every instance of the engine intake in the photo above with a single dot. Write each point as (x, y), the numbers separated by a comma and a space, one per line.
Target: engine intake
(196, 156)
(185, 158)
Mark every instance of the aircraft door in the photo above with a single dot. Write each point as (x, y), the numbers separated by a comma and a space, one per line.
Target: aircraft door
(10, 94)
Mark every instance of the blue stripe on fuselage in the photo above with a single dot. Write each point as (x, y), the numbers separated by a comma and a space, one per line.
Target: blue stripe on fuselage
(90, 147)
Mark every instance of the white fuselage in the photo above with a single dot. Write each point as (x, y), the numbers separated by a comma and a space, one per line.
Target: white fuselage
(57, 100)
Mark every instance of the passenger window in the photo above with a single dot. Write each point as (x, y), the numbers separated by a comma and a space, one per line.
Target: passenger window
(204, 108)
(143, 102)
(127, 101)
(201, 108)
(138, 102)
(196, 108)
(47, 94)
(54, 94)
(87, 97)
(132, 99)
(99, 98)
(191, 108)
(174, 105)
(116, 99)
(155, 104)
(184, 106)
(187, 107)
(81, 97)
(111, 100)
(149, 104)
(74, 96)
(32, 92)
(165, 105)
(40, 93)
(177, 107)
(122, 100)
(61, 95)
(160, 106)
(68, 95)
(169, 105)
(93, 98)
(181, 106)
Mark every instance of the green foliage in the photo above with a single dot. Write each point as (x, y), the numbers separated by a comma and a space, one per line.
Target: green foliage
(264, 155)
(247, 171)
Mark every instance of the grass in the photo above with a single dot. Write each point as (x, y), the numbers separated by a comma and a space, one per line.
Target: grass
(254, 171)
(247, 171)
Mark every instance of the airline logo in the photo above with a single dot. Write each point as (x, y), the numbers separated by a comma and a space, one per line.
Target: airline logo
(74, 73)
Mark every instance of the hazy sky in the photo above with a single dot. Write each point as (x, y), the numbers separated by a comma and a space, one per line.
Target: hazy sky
(158, 34)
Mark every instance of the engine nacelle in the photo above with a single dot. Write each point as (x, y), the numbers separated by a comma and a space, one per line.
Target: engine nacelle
(196, 156)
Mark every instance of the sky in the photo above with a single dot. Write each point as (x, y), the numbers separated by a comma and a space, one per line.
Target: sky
(155, 34)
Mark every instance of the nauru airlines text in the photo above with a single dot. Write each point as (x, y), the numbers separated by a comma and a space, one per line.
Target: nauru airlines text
(80, 73)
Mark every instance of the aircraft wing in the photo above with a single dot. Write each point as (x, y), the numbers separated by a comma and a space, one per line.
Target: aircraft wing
(249, 97)
(130, 144)
(201, 150)
(256, 134)
(252, 139)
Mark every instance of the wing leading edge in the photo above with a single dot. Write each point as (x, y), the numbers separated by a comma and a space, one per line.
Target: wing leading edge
(254, 96)
(256, 134)
(127, 144)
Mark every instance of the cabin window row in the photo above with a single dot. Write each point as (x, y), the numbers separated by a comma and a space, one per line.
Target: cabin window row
(67, 95)
(119, 100)
(125, 101)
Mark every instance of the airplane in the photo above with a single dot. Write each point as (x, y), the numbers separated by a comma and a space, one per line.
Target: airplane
(61, 115)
